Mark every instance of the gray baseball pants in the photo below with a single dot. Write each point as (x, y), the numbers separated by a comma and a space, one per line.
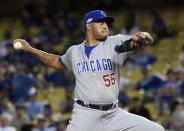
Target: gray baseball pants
(87, 119)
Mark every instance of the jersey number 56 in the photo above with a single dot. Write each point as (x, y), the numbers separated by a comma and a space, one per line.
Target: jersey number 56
(109, 79)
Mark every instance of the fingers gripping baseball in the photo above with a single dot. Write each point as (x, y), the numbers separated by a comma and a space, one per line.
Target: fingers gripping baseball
(21, 44)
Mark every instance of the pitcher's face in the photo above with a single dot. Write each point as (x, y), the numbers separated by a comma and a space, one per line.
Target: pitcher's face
(99, 30)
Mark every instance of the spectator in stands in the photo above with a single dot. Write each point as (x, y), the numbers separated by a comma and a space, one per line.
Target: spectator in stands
(27, 20)
(67, 104)
(131, 26)
(47, 112)
(141, 59)
(59, 78)
(159, 27)
(71, 22)
(26, 34)
(62, 126)
(44, 33)
(6, 72)
(180, 88)
(177, 118)
(33, 106)
(40, 73)
(53, 120)
(123, 98)
(168, 92)
(5, 43)
(166, 120)
(41, 124)
(150, 83)
(5, 120)
(22, 82)
(6, 106)
(20, 118)
(171, 80)
(181, 57)
(60, 22)
(138, 108)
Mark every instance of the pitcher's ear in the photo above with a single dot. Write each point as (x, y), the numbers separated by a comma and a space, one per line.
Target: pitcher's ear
(88, 26)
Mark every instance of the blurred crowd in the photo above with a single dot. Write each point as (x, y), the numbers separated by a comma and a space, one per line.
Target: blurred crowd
(22, 75)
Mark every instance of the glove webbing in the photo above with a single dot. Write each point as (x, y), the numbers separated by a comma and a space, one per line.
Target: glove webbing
(125, 46)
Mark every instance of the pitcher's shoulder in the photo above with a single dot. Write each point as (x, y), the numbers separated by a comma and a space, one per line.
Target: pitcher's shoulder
(74, 47)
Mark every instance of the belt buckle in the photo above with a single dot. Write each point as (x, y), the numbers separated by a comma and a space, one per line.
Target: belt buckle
(101, 107)
(86, 104)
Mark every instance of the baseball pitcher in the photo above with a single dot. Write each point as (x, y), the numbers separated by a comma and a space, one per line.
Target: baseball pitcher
(96, 65)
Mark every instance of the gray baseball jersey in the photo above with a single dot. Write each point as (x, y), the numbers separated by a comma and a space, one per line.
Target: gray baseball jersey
(97, 76)
(97, 81)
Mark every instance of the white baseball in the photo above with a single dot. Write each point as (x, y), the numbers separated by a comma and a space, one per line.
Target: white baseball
(17, 45)
(143, 34)
(146, 34)
(148, 37)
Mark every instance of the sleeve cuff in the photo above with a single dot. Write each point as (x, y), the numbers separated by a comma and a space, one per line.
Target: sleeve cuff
(61, 60)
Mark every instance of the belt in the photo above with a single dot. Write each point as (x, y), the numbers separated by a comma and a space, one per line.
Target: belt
(103, 107)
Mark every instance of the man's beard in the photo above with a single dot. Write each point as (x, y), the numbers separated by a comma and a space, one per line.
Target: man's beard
(102, 39)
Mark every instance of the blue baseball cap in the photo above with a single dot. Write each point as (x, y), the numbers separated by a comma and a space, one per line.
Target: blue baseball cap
(97, 15)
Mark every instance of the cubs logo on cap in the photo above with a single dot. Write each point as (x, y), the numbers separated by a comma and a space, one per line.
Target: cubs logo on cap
(103, 13)
(89, 20)
(97, 15)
